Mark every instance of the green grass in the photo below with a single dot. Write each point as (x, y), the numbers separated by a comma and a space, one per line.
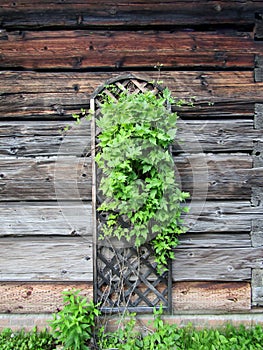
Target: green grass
(161, 337)
(21, 340)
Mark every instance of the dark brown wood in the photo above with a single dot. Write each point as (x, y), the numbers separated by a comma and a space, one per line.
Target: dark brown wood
(48, 258)
(58, 95)
(37, 297)
(223, 264)
(222, 176)
(211, 296)
(99, 49)
(133, 13)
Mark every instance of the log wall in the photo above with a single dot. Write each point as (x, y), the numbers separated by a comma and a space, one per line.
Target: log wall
(53, 55)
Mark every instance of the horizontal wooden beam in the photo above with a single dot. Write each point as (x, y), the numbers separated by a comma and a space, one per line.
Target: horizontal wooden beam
(41, 297)
(130, 13)
(46, 259)
(38, 297)
(32, 139)
(211, 296)
(85, 49)
(221, 176)
(231, 221)
(57, 95)
(216, 264)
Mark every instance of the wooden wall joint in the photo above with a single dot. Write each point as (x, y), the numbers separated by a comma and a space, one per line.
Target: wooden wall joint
(258, 70)
(257, 287)
(257, 200)
(257, 191)
(258, 34)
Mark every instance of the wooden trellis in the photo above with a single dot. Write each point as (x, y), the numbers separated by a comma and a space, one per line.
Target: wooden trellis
(125, 278)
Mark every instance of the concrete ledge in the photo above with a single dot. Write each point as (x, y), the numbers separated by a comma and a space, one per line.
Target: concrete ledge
(29, 321)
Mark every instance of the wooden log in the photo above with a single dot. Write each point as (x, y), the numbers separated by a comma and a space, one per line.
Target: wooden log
(133, 13)
(58, 95)
(211, 296)
(222, 176)
(230, 221)
(38, 297)
(49, 218)
(45, 139)
(122, 49)
(216, 264)
(46, 259)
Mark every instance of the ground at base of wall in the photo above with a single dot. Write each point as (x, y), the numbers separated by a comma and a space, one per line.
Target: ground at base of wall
(29, 321)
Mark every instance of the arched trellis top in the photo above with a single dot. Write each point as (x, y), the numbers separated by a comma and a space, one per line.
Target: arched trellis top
(124, 278)
(129, 82)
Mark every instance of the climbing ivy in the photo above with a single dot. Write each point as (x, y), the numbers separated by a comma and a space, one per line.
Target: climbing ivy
(142, 199)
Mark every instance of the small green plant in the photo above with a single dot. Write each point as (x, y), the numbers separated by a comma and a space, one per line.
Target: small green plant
(73, 325)
(21, 340)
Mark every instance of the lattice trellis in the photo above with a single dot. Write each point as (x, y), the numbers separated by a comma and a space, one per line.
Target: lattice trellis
(124, 278)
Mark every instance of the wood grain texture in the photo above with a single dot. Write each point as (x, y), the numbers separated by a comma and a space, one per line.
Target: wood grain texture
(48, 13)
(216, 264)
(221, 176)
(35, 297)
(231, 221)
(82, 49)
(32, 139)
(57, 95)
(38, 297)
(211, 296)
(46, 259)
(257, 287)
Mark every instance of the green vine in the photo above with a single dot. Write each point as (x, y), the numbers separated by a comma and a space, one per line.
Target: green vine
(142, 200)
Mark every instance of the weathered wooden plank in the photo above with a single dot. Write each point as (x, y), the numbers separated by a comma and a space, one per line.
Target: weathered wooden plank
(222, 176)
(231, 221)
(211, 296)
(45, 139)
(82, 49)
(36, 297)
(49, 218)
(216, 264)
(58, 95)
(130, 13)
(214, 240)
(45, 259)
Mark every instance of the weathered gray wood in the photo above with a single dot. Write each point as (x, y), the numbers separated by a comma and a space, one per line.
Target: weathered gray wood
(22, 139)
(257, 233)
(258, 118)
(257, 287)
(80, 14)
(216, 264)
(68, 219)
(214, 240)
(69, 178)
(45, 259)
(258, 71)
(49, 218)
(84, 49)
